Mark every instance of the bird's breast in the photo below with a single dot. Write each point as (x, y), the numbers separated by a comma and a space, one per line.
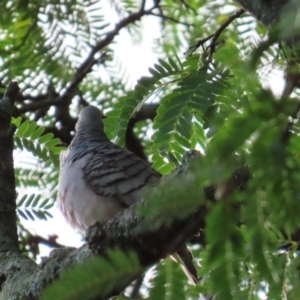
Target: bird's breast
(79, 204)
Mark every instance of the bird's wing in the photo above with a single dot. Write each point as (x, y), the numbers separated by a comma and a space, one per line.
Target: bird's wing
(118, 174)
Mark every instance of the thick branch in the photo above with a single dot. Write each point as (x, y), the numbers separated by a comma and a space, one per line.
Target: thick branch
(128, 233)
(25, 281)
(88, 63)
(20, 278)
(8, 228)
(268, 12)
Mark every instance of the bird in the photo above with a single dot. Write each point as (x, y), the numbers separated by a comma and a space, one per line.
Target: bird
(98, 179)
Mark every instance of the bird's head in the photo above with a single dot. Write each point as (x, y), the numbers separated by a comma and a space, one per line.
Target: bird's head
(90, 119)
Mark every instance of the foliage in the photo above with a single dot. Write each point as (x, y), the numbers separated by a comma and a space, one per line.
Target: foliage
(144, 89)
(93, 277)
(214, 99)
(169, 281)
(29, 136)
(28, 207)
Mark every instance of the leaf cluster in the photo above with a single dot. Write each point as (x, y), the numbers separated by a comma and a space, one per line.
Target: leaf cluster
(96, 276)
(45, 147)
(215, 102)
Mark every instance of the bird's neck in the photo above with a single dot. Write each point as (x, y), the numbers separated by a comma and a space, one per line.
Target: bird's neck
(88, 137)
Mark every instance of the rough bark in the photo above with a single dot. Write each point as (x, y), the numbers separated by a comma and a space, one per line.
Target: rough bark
(8, 227)
(266, 11)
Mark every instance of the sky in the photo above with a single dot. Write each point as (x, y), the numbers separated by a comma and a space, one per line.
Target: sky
(137, 58)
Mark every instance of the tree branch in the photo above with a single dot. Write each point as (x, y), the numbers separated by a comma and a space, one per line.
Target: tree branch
(23, 279)
(8, 227)
(90, 61)
(268, 12)
(214, 37)
(132, 142)
(167, 18)
(86, 65)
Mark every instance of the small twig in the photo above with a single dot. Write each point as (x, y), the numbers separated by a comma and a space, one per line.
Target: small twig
(38, 104)
(188, 6)
(214, 36)
(164, 17)
(212, 45)
(33, 241)
(198, 44)
(283, 51)
(25, 37)
(135, 293)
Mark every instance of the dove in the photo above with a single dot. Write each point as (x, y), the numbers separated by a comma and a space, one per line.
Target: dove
(99, 179)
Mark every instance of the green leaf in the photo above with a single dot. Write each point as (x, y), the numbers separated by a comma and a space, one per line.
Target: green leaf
(29, 214)
(18, 142)
(173, 64)
(44, 203)
(45, 138)
(30, 129)
(23, 128)
(52, 143)
(23, 215)
(155, 74)
(165, 65)
(16, 121)
(36, 200)
(22, 200)
(37, 133)
(169, 282)
(29, 200)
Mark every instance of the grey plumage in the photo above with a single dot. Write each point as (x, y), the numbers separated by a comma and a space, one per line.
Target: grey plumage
(98, 179)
